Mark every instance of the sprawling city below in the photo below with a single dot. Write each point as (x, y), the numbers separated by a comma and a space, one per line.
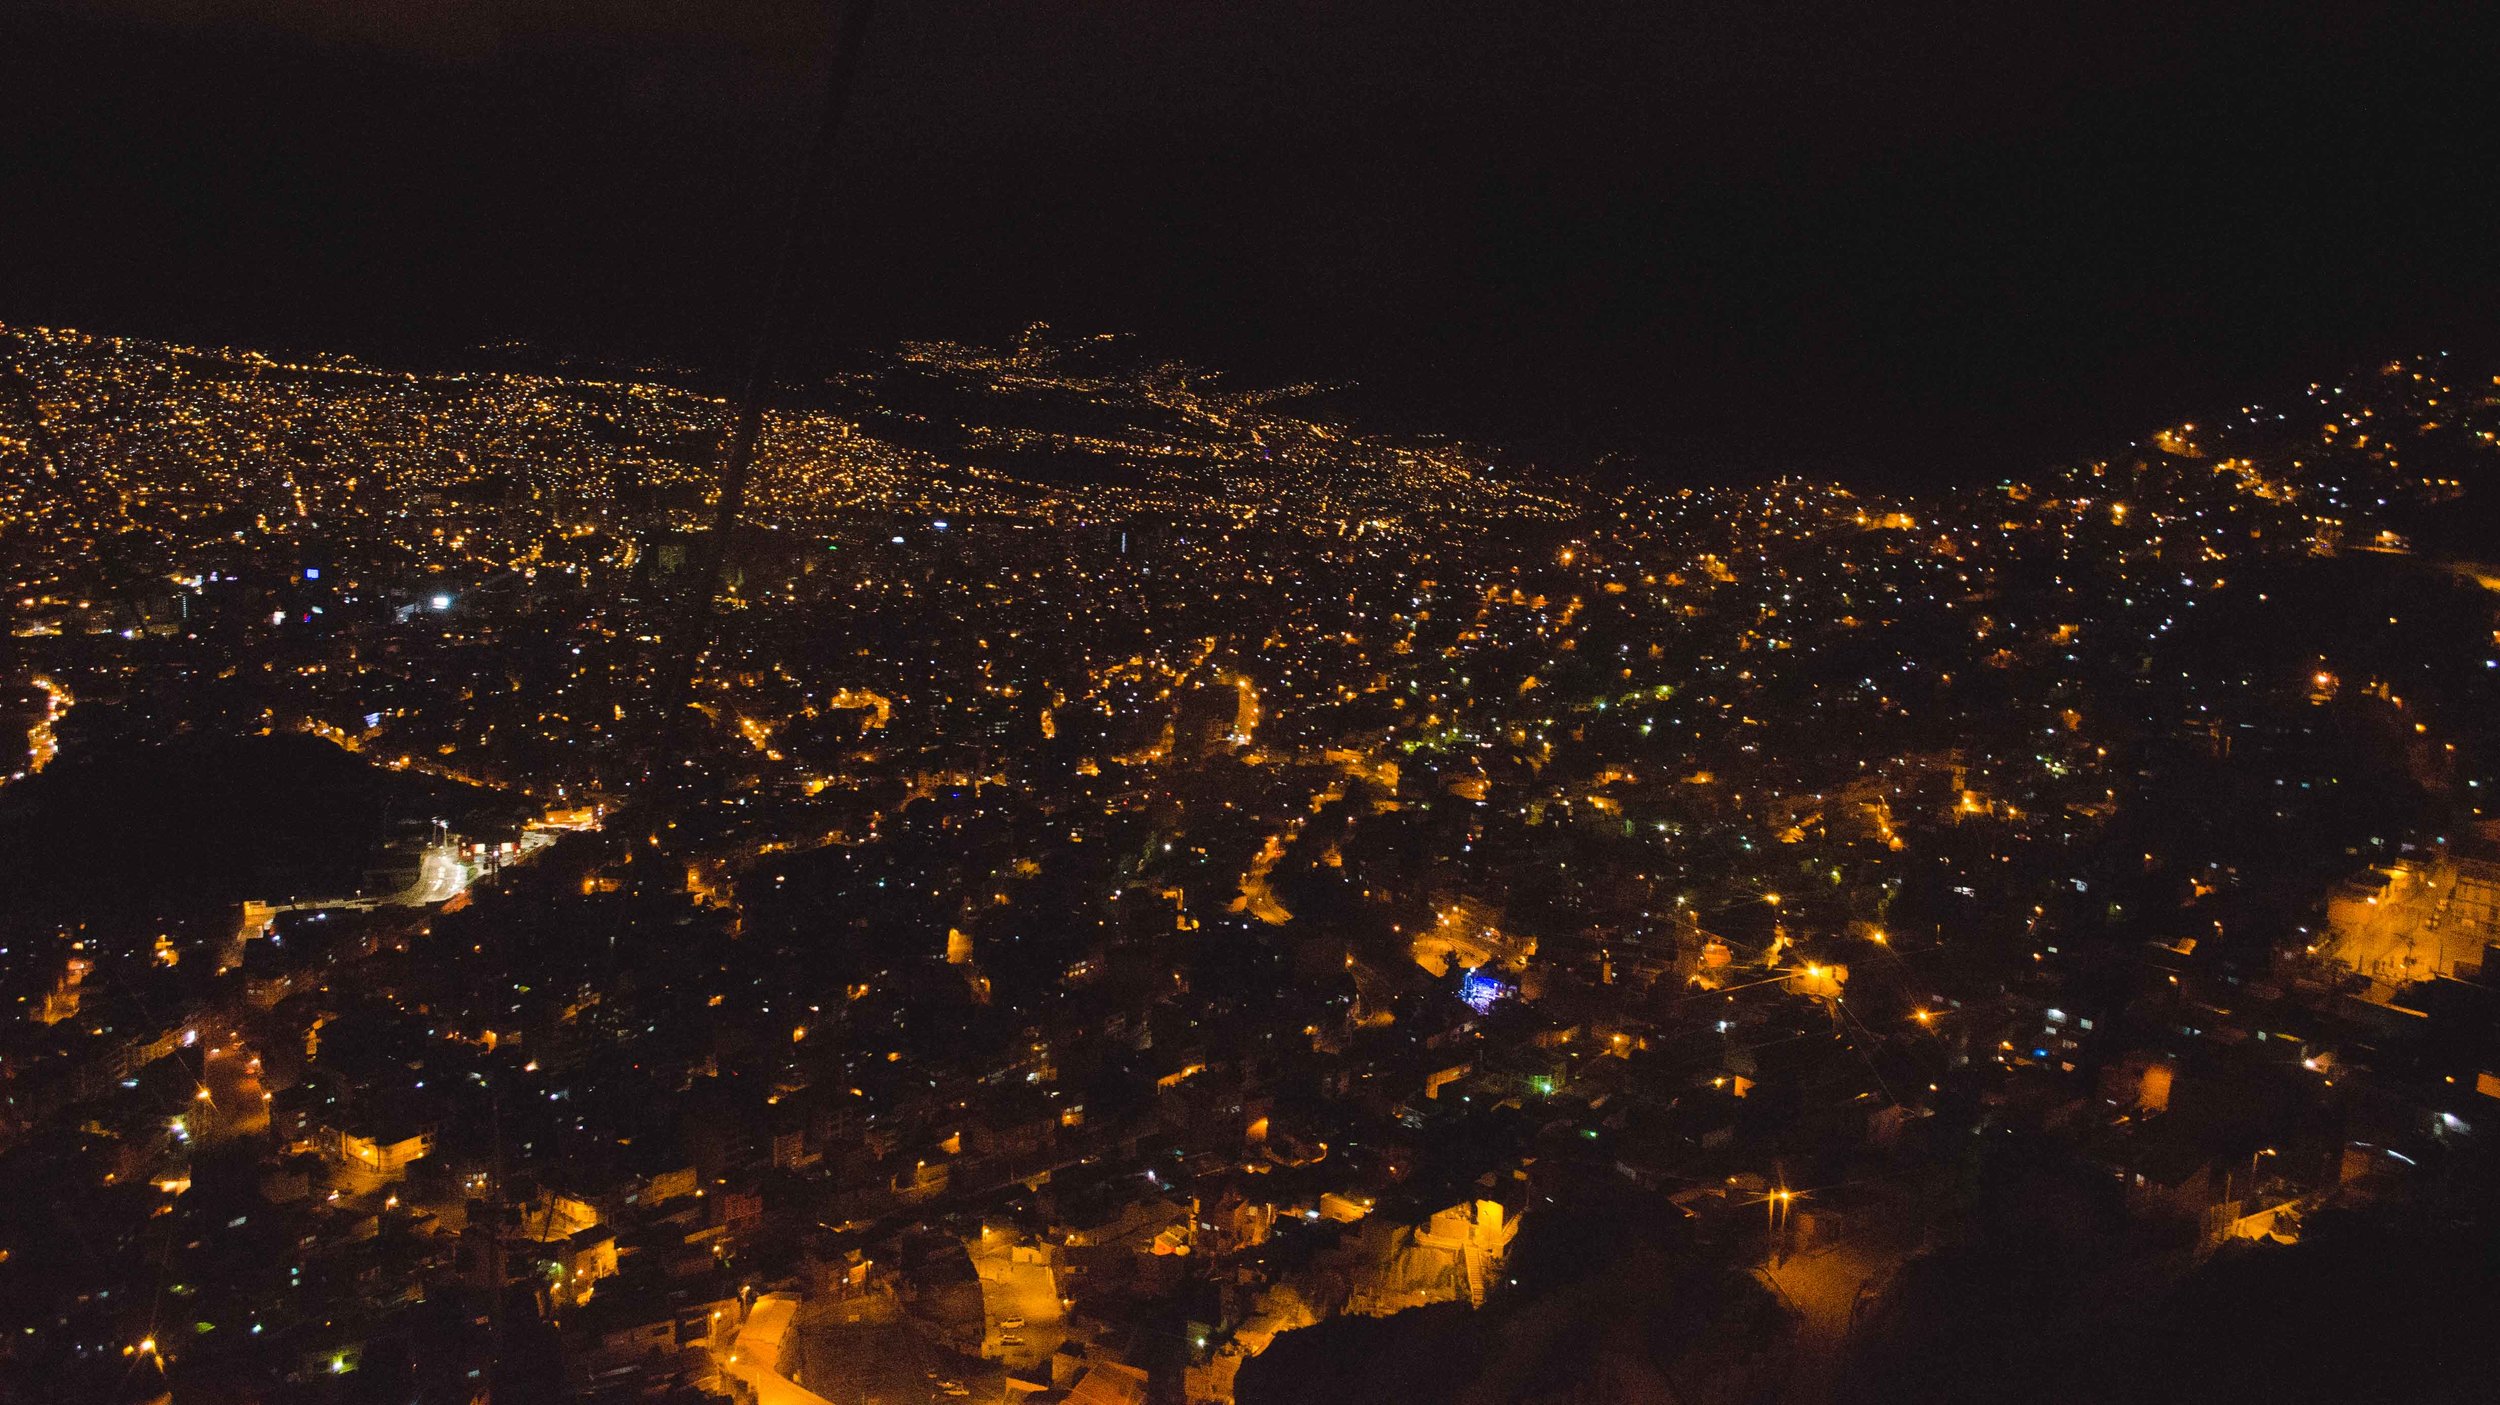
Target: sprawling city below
(1157, 892)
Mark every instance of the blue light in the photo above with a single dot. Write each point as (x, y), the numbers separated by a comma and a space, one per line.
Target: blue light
(1479, 991)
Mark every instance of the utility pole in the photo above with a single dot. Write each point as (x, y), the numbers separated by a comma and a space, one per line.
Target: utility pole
(737, 456)
(494, 1243)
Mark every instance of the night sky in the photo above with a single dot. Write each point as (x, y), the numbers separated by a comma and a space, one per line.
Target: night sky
(1902, 241)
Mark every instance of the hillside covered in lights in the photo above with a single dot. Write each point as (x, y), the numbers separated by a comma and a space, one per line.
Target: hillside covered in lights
(1161, 886)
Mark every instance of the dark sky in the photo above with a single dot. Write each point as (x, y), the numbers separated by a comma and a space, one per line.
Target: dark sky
(1883, 238)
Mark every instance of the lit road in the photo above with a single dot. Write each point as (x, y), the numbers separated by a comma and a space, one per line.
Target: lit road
(1823, 1285)
(441, 876)
(43, 738)
(234, 1106)
(758, 1349)
(1024, 1293)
